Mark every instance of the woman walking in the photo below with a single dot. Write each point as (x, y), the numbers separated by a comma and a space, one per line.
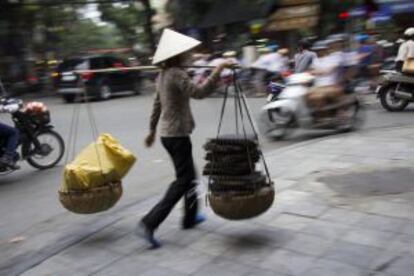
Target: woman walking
(172, 108)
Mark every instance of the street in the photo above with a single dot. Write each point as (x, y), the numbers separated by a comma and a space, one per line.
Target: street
(333, 195)
(29, 205)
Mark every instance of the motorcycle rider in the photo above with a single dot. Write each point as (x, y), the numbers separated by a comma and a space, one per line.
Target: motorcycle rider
(406, 49)
(348, 58)
(304, 58)
(269, 65)
(11, 136)
(326, 70)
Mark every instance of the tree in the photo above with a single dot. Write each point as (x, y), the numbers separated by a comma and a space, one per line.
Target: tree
(86, 35)
(36, 30)
(188, 13)
(133, 20)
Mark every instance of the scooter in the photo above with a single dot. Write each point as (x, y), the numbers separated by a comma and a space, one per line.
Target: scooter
(395, 90)
(41, 146)
(289, 111)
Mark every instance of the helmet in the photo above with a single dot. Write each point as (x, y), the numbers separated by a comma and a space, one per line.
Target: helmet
(230, 54)
(409, 32)
(337, 37)
(283, 51)
(304, 43)
(362, 37)
(273, 47)
(319, 45)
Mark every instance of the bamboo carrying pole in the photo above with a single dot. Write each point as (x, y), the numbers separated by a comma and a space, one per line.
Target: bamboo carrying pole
(141, 68)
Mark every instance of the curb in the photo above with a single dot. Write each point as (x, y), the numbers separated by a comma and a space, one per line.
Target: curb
(329, 137)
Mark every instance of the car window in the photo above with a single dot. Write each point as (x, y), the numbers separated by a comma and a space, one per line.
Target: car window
(70, 64)
(120, 62)
(109, 61)
(84, 65)
(98, 63)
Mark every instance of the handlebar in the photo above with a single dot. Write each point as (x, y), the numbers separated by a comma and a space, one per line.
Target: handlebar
(9, 101)
(10, 105)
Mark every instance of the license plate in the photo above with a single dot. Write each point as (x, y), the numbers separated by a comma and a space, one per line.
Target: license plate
(69, 78)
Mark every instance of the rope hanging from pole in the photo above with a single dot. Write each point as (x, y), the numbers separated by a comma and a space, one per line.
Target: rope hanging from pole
(236, 190)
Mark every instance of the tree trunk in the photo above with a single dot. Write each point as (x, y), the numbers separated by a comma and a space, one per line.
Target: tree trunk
(148, 24)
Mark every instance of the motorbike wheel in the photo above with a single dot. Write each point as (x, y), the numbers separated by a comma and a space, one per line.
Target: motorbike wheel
(355, 120)
(104, 93)
(273, 130)
(389, 101)
(52, 148)
(69, 98)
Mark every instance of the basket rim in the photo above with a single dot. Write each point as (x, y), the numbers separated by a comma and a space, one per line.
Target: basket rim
(239, 195)
(114, 184)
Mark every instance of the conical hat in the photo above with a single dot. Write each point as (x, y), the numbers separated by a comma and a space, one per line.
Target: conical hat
(172, 44)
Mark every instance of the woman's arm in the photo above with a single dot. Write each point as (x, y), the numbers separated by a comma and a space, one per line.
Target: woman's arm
(155, 117)
(156, 113)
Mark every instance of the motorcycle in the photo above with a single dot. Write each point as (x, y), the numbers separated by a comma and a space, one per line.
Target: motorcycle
(395, 90)
(274, 89)
(289, 111)
(41, 146)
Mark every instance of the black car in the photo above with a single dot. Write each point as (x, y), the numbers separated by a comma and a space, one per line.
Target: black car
(101, 85)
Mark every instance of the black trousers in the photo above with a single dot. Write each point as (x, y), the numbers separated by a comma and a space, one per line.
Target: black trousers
(12, 139)
(399, 65)
(180, 151)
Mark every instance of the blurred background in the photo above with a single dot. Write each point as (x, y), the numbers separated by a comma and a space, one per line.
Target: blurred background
(37, 35)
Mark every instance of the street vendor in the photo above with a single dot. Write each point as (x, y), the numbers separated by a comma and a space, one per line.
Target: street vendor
(174, 89)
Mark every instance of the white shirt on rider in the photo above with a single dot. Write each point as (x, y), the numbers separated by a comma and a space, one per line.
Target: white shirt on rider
(405, 51)
(327, 69)
(272, 62)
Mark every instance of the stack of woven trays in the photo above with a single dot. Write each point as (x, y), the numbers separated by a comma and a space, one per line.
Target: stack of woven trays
(236, 189)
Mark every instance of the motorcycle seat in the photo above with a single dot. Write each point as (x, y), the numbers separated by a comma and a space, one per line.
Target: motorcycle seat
(346, 101)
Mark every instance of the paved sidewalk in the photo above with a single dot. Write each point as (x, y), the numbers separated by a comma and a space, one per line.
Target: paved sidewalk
(344, 206)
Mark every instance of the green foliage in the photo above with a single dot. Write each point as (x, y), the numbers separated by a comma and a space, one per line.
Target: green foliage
(61, 28)
(188, 13)
(85, 35)
(127, 18)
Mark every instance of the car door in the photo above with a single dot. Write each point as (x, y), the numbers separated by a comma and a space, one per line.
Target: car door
(99, 78)
(120, 76)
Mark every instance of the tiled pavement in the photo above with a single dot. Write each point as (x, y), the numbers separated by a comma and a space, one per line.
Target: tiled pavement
(325, 221)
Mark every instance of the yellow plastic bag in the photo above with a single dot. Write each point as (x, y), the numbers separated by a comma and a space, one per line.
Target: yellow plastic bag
(99, 163)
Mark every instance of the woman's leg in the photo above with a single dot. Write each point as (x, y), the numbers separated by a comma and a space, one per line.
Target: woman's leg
(180, 151)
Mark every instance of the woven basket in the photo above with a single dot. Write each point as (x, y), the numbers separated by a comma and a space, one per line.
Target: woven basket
(235, 206)
(92, 201)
